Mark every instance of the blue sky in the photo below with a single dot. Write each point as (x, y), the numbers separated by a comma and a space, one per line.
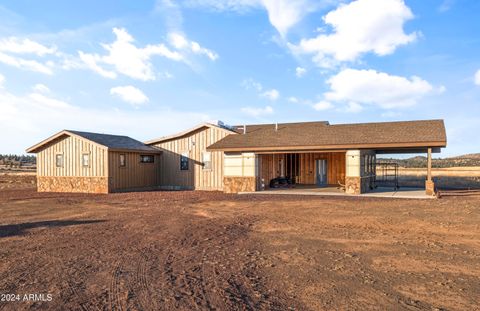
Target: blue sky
(151, 68)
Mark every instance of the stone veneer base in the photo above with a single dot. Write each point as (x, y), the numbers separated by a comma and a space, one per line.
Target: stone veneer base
(239, 184)
(72, 184)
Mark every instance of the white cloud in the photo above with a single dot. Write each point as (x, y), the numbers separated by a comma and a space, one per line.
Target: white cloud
(257, 112)
(25, 64)
(11, 47)
(282, 14)
(300, 72)
(249, 84)
(377, 88)
(130, 94)
(477, 77)
(362, 26)
(126, 58)
(322, 105)
(446, 5)
(353, 107)
(30, 118)
(41, 88)
(180, 42)
(2, 80)
(293, 99)
(272, 94)
(16, 45)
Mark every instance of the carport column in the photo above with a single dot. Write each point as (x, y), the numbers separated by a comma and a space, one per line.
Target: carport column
(429, 184)
(353, 177)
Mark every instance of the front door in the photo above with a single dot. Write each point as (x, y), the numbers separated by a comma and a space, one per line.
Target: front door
(322, 172)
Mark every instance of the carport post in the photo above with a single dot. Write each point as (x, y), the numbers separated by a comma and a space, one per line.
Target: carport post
(429, 185)
(429, 164)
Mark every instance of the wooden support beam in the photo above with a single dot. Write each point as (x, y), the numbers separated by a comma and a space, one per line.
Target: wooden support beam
(429, 164)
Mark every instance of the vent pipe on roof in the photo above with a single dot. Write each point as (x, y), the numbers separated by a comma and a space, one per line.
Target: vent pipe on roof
(276, 126)
(244, 129)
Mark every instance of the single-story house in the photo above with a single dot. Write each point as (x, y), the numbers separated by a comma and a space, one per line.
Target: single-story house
(246, 158)
(73, 161)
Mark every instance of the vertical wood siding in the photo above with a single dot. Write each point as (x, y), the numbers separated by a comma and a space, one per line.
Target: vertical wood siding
(134, 175)
(196, 177)
(270, 167)
(72, 149)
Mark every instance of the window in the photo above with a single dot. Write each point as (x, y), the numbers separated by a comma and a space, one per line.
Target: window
(85, 159)
(59, 160)
(207, 160)
(147, 159)
(123, 163)
(184, 161)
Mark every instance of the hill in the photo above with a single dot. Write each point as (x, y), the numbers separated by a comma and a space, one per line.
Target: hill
(421, 161)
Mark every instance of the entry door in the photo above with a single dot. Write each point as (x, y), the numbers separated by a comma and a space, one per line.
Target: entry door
(322, 172)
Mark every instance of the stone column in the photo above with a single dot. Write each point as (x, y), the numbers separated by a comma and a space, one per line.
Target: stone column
(429, 184)
(353, 177)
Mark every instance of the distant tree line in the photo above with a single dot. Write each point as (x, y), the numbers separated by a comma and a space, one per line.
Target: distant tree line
(14, 160)
(421, 162)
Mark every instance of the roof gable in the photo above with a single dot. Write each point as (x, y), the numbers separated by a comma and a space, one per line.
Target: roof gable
(186, 132)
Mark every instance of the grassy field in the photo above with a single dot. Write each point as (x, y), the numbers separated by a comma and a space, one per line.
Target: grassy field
(211, 251)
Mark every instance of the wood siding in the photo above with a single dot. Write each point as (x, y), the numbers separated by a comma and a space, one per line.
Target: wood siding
(196, 177)
(72, 149)
(305, 165)
(134, 175)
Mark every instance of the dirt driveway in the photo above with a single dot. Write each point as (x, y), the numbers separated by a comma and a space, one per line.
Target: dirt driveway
(210, 251)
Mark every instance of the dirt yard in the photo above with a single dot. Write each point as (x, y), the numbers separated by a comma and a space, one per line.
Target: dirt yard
(210, 251)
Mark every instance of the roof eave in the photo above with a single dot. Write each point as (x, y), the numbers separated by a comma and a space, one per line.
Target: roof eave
(438, 144)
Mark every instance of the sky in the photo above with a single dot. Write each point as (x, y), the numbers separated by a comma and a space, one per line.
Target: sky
(152, 68)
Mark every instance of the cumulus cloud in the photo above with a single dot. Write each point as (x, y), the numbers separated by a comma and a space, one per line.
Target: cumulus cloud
(282, 14)
(376, 88)
(180, 42)
(130, 94)
(126, 58)
(477, 77)
(257, 112)
(12, 47)
(322, 105)
(300, 72)
(362, 26)
(2, 80)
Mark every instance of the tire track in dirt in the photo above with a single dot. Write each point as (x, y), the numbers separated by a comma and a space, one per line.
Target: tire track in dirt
(114, 295)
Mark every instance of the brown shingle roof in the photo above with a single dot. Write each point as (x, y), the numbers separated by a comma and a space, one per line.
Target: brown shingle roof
(321, 135)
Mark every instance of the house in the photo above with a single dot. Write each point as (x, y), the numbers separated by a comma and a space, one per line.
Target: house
(242, 158)
(73, 161)
(322, 154)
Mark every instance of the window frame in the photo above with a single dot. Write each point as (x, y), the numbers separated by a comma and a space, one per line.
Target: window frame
(57, 155)
(124, 160)
(204, 166)
(184, 155)
(88, 159)
(149, 156)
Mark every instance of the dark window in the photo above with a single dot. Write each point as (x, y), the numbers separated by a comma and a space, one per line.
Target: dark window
(207, 160)
(85, 159)
(147, 159)
(123, 162)
(184, 161)
(59, 160)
